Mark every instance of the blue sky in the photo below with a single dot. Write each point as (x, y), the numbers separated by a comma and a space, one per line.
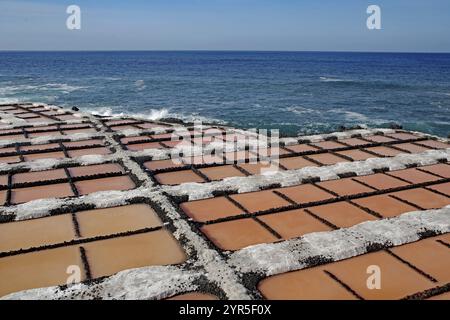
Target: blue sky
(322, 25)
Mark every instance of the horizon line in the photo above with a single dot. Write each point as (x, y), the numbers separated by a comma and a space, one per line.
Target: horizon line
(226, 50)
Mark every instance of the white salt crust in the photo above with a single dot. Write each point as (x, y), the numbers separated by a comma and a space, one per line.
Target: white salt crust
(42, 123)
(337, 135)
(252, 143)
(294, 254)
(10, 119)
(102, 199)
(15, 122)
(196, 191)
(287, 141)
(50, 163)
(133, 284)
(266, 259)
(215, 268)
(161, 282)
(46, 139)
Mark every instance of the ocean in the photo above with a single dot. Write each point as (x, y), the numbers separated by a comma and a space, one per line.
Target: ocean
(295, 92)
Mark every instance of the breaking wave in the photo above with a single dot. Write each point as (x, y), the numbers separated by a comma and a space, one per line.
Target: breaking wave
(152, 114)
(9, 100)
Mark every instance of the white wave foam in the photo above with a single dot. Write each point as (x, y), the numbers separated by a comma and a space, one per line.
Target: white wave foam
(158, 114)
(330, 79)
(352, 115)
(140, 85)
(62, 87)
(153, 114)
(196, 118)
(7, 90)
(9, 100)
(301, 110)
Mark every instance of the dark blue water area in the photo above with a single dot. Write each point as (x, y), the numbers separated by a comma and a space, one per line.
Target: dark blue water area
(296, 92)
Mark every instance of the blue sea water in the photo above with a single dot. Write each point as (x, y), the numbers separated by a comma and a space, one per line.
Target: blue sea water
(296, 92)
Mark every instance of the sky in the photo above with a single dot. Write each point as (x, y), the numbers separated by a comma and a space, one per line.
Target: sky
(273, 25)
